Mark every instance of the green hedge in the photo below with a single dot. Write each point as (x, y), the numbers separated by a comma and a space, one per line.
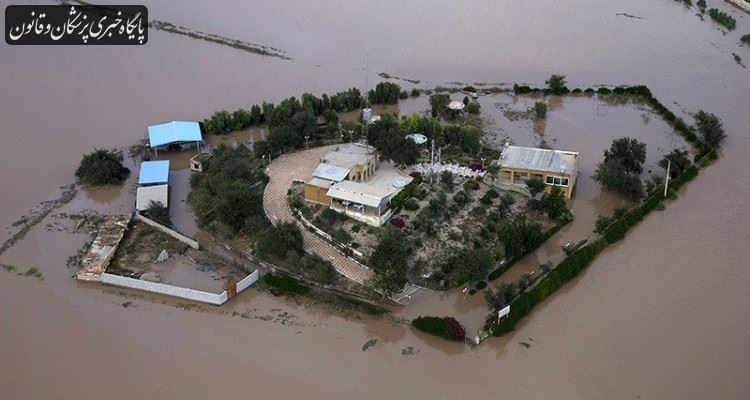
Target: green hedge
(501, 269)
(405, 193)
(445, 327)
(285, 283)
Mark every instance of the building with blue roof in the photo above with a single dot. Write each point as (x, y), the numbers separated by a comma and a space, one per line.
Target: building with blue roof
(154, 173)
(181, 133)
(153, 184)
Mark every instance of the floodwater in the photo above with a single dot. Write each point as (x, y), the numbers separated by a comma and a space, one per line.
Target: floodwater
(660, 315)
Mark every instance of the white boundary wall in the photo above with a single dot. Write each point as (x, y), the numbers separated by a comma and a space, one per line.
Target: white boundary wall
(741, 4)
(247, 281)
(182, 238)
(176, 291)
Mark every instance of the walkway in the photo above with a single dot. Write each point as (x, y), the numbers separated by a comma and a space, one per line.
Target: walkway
(283, 172)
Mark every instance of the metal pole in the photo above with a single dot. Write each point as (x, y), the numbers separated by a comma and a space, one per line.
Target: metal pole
(666, 180)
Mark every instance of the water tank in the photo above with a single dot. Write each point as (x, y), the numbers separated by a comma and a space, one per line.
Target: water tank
(366, 114)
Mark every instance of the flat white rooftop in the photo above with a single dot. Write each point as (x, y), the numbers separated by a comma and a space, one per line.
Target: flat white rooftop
(348, 155)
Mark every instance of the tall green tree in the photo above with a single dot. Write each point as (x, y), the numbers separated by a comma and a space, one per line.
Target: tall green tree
(680, 162)
(388, 262)
(623, 163)
(710, 128)
(556, 84)
(102, 167)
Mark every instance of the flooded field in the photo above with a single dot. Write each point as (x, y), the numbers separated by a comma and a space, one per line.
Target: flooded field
(660, 315)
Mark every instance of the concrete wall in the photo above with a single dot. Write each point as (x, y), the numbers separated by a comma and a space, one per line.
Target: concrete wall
(247, 281)
(177, 235)
(177, 291)
(169, 290)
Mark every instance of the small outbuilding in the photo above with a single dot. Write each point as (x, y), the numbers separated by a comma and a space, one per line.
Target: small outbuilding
(153, 184)
(199, 163)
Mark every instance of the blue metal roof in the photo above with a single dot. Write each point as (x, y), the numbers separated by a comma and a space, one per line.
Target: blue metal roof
(173, 132)
(154, 172)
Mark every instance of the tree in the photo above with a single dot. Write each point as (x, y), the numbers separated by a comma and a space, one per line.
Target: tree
(476, 264)
(540, 109)
(439, 104)
(502, 296)
(102, 167)
(388, 262)
(710, 128)
(556, 84)
(535, 186)
(520, 236)
(473, 107)
(553, 203)
(391, 142)
(277, 241)
(623, 163)
(385, 93)
(446, 178)
(680, 162)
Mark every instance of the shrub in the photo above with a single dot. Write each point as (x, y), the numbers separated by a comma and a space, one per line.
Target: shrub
(723, 18)
(473, 107)
(540, 109)
(102, 167)
(746, 39)
(446, 327)
(471, 184)
(385, 93)
(556, 84)
(285, 283)
(398, 222)
(476, 167)
(405, 193)
(411, 205)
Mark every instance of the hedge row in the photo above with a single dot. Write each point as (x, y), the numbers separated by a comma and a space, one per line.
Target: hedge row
(399, 199)
(501, 269)
(285, 283)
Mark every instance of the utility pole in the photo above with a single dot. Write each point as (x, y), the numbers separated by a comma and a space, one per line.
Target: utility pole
(307, 137)
(666, 180)
(432, 161)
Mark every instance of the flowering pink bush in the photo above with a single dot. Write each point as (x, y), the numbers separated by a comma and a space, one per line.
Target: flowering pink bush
(398, 222)
(476, 167)
(414, 174)
(453, 329)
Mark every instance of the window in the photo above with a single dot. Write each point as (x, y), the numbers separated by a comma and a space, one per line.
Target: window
(549, 180)
(558, 181)
(564, 182)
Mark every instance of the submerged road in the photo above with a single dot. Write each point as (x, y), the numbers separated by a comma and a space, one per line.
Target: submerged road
(283, 172)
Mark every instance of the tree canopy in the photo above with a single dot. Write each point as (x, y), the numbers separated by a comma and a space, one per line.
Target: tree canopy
(388, 262)
(556, 84)
(102, 167)
(623, 163)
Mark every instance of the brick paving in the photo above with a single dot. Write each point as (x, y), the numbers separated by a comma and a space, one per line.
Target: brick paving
(284, 171)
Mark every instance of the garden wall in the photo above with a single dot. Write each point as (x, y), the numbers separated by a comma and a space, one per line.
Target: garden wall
(177, 235)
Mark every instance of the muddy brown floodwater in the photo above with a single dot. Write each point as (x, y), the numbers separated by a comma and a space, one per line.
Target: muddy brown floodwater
(661, 315)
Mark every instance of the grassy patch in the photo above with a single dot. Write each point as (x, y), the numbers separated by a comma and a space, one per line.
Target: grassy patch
(285, 283)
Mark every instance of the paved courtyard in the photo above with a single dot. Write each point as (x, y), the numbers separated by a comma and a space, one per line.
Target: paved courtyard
(282, 172)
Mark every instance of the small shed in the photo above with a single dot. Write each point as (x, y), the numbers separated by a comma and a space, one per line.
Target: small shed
(199, 163)
(154, 173)
(182, 134)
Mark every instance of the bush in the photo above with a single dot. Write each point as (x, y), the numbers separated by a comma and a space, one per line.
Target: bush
(411, 205)
(540, 109)
(446, 327)
(415, 93)
(723, 18)
(471, 185)
(405, 193)
(102, 167)
(398, 222)
(746, 39)
(285, 283)
(473, 107)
